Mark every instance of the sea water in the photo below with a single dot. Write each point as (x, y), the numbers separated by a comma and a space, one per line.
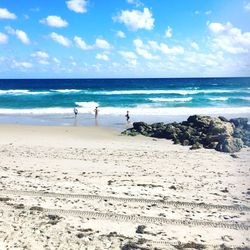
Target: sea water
(51, 101)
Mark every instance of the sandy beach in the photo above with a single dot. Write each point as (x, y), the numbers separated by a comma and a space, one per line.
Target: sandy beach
(92, 188)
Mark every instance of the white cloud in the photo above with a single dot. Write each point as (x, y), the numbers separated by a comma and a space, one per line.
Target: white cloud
(143, 50)
(217, 28)
(99, 44)
(171, 51)
(165, 49)
(229, 38)
(194, 45)
(202, 60)
(40, 55)
(5, 14)
(56, 60)
(137, 3)
(78, 6)
(102, 44)
(43, 62)
(21, 65)
(103, 57)
(3, 38)
(129, 56)
(80, 43)
(20, 34)
(60, 39)
(136, 19)
(169, 32)
(120, 34)
(247, 6)
(54, 21)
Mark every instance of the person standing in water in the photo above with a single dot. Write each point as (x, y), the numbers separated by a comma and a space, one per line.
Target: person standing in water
(127, 117)
(75, 112)
(96, 112)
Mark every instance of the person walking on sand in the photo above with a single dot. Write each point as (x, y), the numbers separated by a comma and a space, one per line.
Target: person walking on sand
(96, 112)
(127, 117)
(75, 112)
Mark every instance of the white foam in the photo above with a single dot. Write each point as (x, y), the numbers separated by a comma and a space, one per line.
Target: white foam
(218, 98)
(66, 90)
(87, 104)
(23, 92)
(171, 99)
(245, 98)
(14, 91)
(37, 111)
(142, 111)
(39, 93)
(149, 92)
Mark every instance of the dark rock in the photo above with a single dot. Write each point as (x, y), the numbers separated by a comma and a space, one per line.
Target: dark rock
(230, 145)
(198, 131)
(211, 145)
(36, 208)
(158, 125)
(222, 118)
(54, 217)
(239, 122)
(19, 206)
(80, 235)
(234, 156)
(225, 190)
(217, 127)
(185, 143)
(177, 141)
(190, 245)
(4, 199)
(141, 126)
(173, 187)
(196, 145)
(200, 121)
(140, 229)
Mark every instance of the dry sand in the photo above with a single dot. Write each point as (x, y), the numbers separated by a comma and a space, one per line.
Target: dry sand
(91, 188)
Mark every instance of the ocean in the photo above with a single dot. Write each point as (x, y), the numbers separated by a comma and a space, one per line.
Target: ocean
(51, 101)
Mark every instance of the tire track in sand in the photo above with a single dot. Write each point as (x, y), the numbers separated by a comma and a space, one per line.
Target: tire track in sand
(177, 204)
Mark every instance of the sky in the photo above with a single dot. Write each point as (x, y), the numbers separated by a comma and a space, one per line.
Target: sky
(124, 38)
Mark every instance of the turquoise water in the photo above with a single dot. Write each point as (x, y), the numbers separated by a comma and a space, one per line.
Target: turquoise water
(142, 97)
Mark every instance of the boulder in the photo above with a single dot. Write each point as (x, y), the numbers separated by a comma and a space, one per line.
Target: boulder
(199, 121)
(222, 118)
(199, 131)
(230, 145)
(195, 146)
(239, 122)
(170, 131)
(217, 126)
(185, 143)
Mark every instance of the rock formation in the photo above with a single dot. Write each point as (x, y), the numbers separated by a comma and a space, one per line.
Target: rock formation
(200, 131)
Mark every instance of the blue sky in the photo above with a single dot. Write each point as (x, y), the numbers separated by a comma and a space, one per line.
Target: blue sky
(124, 38)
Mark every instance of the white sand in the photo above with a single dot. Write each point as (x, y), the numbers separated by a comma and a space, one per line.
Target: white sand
(99, 162)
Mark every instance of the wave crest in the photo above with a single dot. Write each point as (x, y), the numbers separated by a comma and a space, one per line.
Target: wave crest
(134, 111)
(171, 99)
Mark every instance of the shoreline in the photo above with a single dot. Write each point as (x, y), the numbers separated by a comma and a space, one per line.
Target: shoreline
(117, 122)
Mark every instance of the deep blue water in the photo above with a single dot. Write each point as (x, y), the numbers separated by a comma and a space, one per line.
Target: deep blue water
(115, 96)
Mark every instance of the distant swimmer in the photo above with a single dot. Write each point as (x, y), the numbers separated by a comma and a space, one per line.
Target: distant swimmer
(96, 112)
(75, 112)
(127, 117)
